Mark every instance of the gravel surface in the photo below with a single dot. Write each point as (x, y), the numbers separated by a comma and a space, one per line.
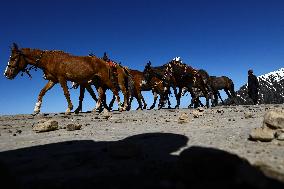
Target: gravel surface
(223, 128)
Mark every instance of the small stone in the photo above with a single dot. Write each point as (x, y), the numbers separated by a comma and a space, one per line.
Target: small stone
(19, 131)
(220, 111)
(73, 127)
(279, 135)
(248, 115)
(196, 113)
(183, 118)
(200, 109)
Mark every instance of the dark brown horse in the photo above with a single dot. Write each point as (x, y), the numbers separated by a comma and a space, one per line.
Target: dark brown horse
(160, 73)
(60, 67)
(178, 75)
(195, 102)
(216, 84)
(222, 83)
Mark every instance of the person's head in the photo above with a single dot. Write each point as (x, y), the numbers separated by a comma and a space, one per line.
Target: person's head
(250, 71)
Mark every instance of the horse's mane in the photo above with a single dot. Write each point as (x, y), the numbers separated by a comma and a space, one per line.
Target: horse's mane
(59, 52)
(159, 71)
(202, 71)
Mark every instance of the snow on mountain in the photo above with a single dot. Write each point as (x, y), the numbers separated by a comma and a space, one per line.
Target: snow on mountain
(271, 89)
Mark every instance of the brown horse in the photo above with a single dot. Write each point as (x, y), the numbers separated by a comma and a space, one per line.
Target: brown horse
(140, 84)
(120, 77)
(60, 67)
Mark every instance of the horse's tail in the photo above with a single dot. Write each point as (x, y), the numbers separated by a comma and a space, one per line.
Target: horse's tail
(232, 88)
(205, 79)
(130, 81)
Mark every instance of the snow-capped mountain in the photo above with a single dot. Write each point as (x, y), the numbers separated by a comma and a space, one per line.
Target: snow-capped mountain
(271, 89)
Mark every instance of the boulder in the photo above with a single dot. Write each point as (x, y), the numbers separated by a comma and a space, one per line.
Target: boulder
(263, 134)
(49, 125)
(274, 119)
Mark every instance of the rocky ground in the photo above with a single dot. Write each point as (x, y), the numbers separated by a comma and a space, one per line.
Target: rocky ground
(165, 148)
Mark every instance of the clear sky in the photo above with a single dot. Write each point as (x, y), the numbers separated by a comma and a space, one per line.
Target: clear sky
(224, 37)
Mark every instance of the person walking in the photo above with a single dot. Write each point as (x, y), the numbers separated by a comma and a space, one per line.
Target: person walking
(253, 86)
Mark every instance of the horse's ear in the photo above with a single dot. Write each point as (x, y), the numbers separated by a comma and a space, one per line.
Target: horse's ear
(15, 46)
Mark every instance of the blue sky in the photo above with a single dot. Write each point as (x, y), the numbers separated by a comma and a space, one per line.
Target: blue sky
(225, 37)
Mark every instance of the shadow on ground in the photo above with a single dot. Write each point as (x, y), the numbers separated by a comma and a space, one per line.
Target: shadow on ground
(140, 161)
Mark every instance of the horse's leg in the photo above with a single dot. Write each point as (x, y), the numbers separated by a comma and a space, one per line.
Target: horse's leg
(130, 101)
(215, 94)
(178, 97)
(111, 102)
(116, 94)
(221, 98)
(139, 100)
(163, 98)
(81, 98)
(155, 99)
(64, 86)
(194, 98)
(200, 103)
(227, 92)
(206, 95)
(125, 95)
(92, 92)
(104, 102)
(143, 100)
(101, 92)
(48, 86)
(169, 102)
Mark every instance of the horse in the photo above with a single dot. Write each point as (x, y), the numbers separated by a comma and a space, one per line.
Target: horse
(160, 73)
(178, 75)
(120, 77)
(195, 102)
(222, 83)
(216, 84)
(60, 67)
(140, 84)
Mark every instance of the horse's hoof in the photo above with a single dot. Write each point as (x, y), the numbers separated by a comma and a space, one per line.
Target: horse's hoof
(77, 111)
(36, 112)
(68, 111)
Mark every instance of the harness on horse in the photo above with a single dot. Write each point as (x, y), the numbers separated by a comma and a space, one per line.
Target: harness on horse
(35, 66)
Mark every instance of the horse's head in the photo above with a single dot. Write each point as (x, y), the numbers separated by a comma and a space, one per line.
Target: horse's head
(148, 72)
(16, 62)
